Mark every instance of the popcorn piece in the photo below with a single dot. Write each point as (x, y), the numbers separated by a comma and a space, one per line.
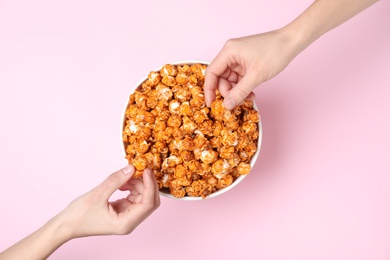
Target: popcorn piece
(187, 156)
(225, 181)
(174, 121)
(208, 156)
(201, 115)
(185, 109)
(154, 160)
(168, 70)
(244, 156)
(226, 152)
(164, 93)
(141, 147)
(234, 160)
(177, 191)
(230, 120)
(131, 111)
(195, 90)
(243, 168)
(200, 140)
(171, 161)
(206, 127)
(140, 162)
(188, 125)
(174, 107)
(183, 94)
(251, 148)
(199, 70)
(249, 127)
(251, 116)
(154, 78)
(169, 80)
(243, 141)
(184, 69)
(215, 143)
(187, 144)
(140, 101)
(152, 101)
(159, 125)
(161, 147)
(247, 105)
(193, 165)
(144, 116)
(193, 80)
(229, 138)
(218, 126)
(217, 110)
(199, 188)
(178, 133)
(220, 168)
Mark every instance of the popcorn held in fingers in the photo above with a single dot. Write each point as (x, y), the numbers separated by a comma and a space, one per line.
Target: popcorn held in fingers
(193, 150)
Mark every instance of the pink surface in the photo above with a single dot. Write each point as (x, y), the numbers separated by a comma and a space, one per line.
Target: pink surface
(321, 186)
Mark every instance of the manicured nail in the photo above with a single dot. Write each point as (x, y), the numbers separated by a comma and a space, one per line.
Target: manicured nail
(228, 104)
(207, 101)
(127, 169)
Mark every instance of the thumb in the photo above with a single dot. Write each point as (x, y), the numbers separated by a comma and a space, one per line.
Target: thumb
(240, 91)
(115, 181)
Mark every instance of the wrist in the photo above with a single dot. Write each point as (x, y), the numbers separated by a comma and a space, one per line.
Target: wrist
(60, 229)
(40, 244)
(292, 41)
(298, 37)
(309, 26)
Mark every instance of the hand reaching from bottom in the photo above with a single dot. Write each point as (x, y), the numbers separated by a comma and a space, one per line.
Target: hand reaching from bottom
(93, 214)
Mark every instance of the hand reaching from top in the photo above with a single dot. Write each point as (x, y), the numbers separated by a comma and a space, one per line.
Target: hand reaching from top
(244, 63)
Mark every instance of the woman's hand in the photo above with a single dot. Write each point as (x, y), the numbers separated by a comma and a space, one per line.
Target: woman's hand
(92, 213)
(244, 63)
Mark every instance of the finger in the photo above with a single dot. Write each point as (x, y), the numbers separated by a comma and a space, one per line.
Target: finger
(114, 182)
(224, 87)
(232, 77)
(240, 91)
(149, 202)
(251, 96)
(220, 63)
(157, 191)
(213, 72)
(137, 186)
(210, 85)
(134, 198)
(121, 205)
(132, 185)
(150, 190)
(227, 83)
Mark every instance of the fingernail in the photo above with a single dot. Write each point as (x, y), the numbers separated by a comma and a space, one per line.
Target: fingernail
(207, 101)
(228, 104)
(127, 170)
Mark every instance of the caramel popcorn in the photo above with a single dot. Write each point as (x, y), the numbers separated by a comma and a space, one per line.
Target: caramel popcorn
(193, 150)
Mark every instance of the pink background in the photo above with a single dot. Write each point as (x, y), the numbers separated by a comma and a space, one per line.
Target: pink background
(321, 186)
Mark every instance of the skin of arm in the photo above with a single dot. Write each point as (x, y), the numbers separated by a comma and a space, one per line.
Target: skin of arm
(92, 214)
(244, 63)
(323, 16)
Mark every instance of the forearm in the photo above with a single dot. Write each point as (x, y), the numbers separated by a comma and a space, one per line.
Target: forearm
(321, 17)
(40, 244)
